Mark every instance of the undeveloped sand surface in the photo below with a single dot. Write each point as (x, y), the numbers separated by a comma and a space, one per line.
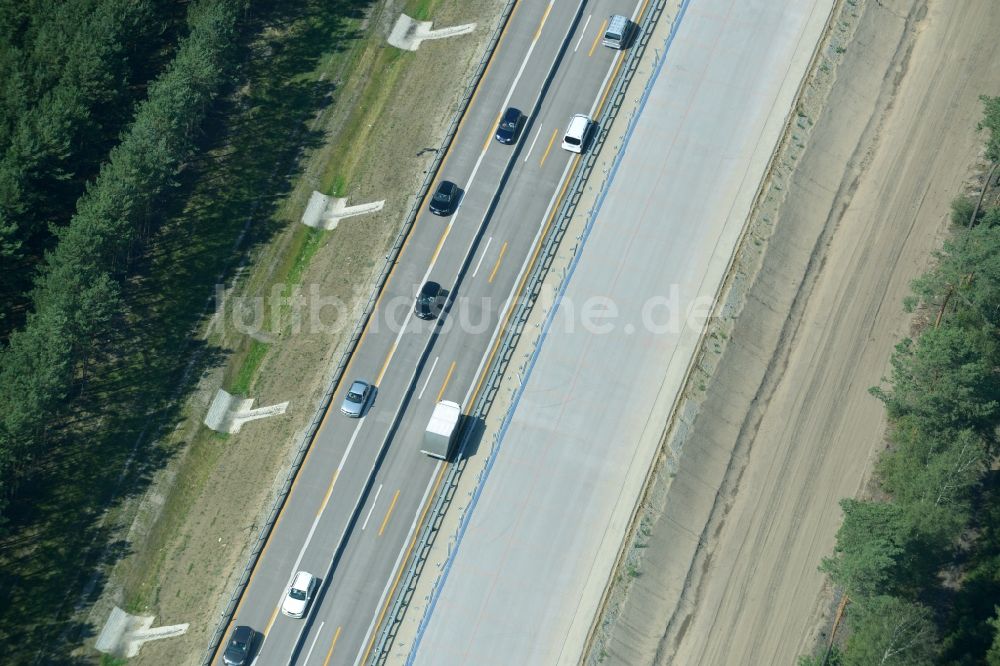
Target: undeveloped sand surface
(724, 560)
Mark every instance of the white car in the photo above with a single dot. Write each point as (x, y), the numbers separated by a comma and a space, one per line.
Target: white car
(300, 593)
(577, 133)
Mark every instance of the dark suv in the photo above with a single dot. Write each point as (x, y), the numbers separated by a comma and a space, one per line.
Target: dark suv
(445, 198)
(240, 646)
(426, 306)
(509, 127)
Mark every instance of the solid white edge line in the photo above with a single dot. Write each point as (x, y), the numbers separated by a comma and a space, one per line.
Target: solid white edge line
(319, 514)
(517, 280)
(635, 12)
(611, 69)
(482, 362)
(482, 154)
(395, 566)
(479, 369)
(409, 314)
(350, 445)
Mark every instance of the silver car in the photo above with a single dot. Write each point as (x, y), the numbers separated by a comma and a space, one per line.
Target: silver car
(356, 399)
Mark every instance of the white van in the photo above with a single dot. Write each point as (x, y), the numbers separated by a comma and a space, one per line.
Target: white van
(618, 33)
(577, 133)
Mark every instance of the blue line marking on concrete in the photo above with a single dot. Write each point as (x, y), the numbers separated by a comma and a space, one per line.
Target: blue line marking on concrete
(467, 516)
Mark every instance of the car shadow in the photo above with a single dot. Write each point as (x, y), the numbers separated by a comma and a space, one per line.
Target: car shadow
(471, 429)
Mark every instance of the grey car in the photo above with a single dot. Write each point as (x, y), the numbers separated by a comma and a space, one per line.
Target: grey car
(356, 399)
(240, 645)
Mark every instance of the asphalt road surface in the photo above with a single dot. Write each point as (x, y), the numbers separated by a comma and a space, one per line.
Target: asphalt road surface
(525, 579)
(356, 501)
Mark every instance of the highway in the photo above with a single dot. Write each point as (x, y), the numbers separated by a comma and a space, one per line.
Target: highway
(523, 580)
(354, 506)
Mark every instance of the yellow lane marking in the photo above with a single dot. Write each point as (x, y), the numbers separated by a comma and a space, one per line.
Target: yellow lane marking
(604, 95)
(489, 135)
(549, 147)
(520, 288)
(475, 92)
(385, 364)
(385, 521)
(406, 558)
(270, 623)
(597, 38)
(479, 383)
(332, 645)
(364, 333)
(392, 350)
(497, 266)
(329, 491)
(447, 378)
(437, 250)
(545, 17)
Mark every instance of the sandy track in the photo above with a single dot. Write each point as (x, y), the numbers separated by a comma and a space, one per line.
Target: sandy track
(729, 560)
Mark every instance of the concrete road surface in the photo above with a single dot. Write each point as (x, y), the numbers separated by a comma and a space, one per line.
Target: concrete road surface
(363, 485)
(541, 536)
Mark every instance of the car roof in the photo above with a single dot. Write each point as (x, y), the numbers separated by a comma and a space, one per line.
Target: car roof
(302, 578)
(617, 21)
(356, 385)
(242, 632)
(578, 124)
(511, 113)
(429, 287)
(446, 184)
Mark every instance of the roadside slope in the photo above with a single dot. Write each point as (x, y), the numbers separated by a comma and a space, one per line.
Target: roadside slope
(728, 568)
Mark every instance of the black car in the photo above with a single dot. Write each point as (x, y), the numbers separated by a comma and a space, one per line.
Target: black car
(426, 306)
(509, 127)
(445, 198)
(240, 645)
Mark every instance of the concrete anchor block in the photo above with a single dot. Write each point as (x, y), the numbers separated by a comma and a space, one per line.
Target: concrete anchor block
(408, 33)
(227, 413)
(123, 634)
(326, 212)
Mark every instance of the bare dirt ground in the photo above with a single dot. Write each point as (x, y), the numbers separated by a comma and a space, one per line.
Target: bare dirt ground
(190, 534)
(723, 565)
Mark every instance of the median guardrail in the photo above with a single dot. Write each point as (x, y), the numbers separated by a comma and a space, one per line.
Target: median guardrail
(392, 257)
(511, 335)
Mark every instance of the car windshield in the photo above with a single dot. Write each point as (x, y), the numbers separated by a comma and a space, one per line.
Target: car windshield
(238, 644)
(298, 595)
(441, 195)
(353, 397)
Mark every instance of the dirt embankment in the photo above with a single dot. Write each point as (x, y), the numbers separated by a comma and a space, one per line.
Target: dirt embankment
(723, 566)
(189, 536)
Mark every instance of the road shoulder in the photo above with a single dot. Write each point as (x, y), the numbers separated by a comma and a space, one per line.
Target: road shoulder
(779, 425)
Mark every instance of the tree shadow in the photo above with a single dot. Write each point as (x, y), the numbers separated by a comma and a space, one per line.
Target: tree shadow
(967, 607)
(106, 449)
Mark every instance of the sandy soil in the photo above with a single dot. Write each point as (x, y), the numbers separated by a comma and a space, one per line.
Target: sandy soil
(723, 565)
(228, 490)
